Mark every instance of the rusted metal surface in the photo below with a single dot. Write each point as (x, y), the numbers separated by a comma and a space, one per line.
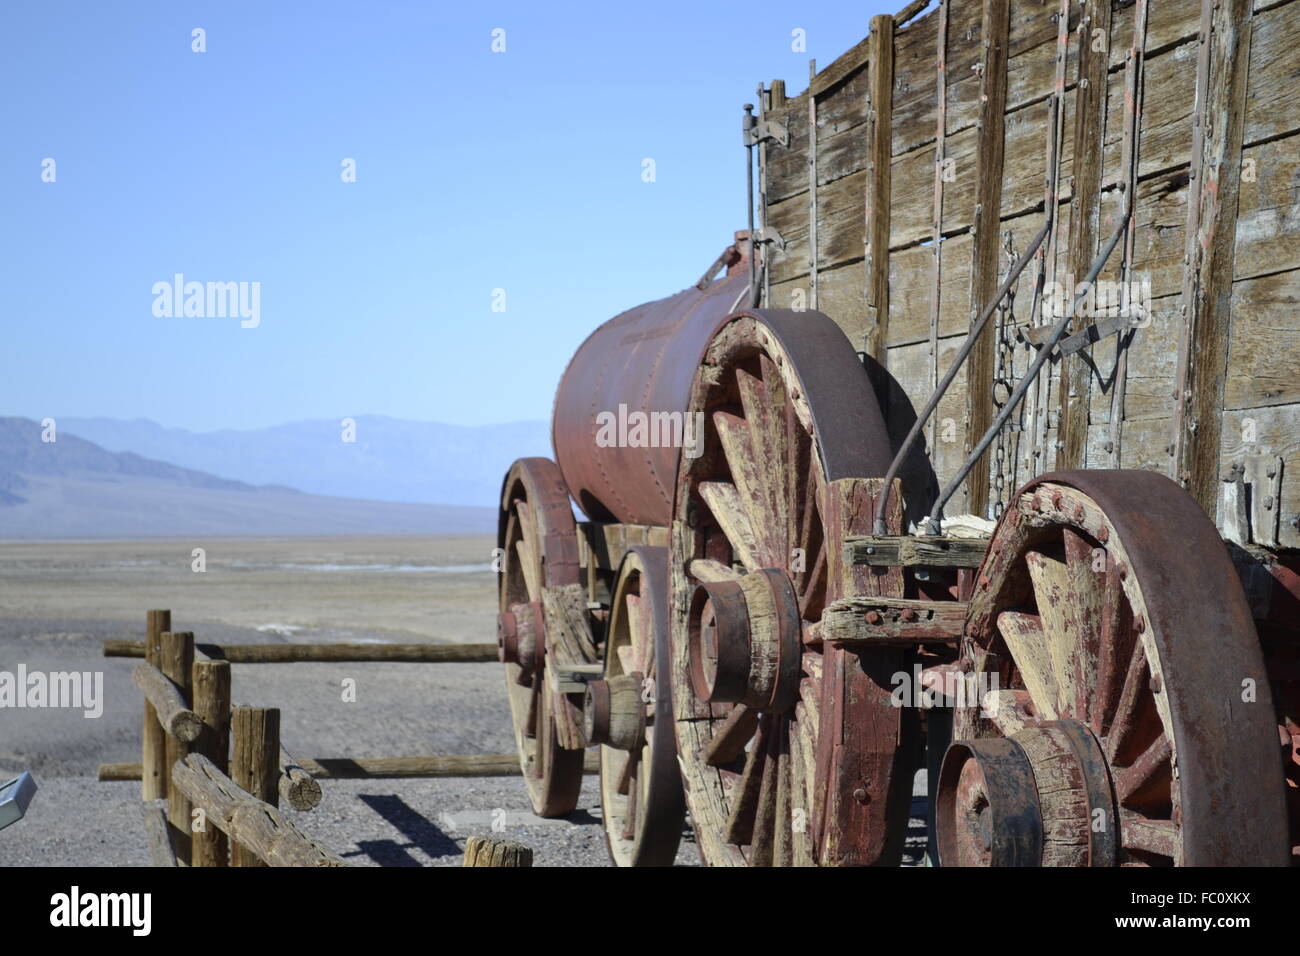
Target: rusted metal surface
(639, 362)
(988, 812)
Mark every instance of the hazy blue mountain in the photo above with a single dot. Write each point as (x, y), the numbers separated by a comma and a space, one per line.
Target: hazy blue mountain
(391, 460)
(73, 488)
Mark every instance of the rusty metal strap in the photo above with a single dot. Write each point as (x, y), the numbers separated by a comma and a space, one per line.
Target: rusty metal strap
(918, 425)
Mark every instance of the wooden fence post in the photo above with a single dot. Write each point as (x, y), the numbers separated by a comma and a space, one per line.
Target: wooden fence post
(176, 661)
(153, 757)
(484, 851)
(212, 704)
(256, 765)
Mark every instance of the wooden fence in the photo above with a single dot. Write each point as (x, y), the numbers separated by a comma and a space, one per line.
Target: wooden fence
(213, 776)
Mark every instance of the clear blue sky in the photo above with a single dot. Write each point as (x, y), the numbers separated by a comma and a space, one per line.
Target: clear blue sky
(475, 171)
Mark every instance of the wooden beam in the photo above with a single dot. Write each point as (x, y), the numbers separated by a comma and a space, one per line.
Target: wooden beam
(984, 261)
(256, 829)
(212, 704)
(256, 766)
(915, 552)
(327, 653)
(153, 783)
(877, 621)
(812, 186)
(176, 661)
(880, 67)
(1089, 137)
(1211, 245)
(165, 698)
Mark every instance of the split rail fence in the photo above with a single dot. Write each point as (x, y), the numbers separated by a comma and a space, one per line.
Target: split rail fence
(213, 775)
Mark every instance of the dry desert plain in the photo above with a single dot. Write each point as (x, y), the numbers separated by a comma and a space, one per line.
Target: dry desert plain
(60, 600)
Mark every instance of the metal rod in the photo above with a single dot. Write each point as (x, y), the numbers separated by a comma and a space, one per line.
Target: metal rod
(933, 403)
(1043, 355)
(748, 129)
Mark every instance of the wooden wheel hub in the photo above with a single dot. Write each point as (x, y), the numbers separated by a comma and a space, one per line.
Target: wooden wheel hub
(1040, 797)
(745, 641)
(614, 712)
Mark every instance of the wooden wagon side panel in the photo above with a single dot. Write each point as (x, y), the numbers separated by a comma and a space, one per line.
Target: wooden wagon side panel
(930, 289)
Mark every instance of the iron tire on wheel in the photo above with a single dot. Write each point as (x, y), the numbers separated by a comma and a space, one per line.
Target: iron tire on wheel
(537, 539)
(1129, 668)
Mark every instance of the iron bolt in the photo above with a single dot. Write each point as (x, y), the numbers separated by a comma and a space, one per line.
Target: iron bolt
(873, 617)
(860, 795)
(909, 615)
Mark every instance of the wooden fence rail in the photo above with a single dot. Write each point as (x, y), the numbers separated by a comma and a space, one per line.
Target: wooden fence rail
(326, 653)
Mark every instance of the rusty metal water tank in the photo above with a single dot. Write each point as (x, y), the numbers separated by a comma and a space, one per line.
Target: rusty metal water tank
(642, 360)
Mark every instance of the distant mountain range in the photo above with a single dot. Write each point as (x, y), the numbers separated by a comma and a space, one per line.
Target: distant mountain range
(74, 488)
(391, 459)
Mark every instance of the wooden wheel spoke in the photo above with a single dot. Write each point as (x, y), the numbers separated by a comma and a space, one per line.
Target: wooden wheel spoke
(1149, 768)
(763, 843)
(711, 572)
(1117, 643)
(532, 573)
(729, 740)
(783, 819)
(1085, 594)
(633, 798)
(639, 628)
(746, 474)
(1159, 837)
(1126, 711)
(1024, 637)
(1051, 583)
(744, 799)
(814, 585)
(725, 504)
(763, 402)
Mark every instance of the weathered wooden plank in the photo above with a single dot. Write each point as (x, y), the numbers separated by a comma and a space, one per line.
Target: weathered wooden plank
(1264, 353)
(984, 256)
(911, 551)
(875, 621)
(877, 228)
(1089, 127)
(1203, 357)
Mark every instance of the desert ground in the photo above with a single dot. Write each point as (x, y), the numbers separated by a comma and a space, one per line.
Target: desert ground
(60, 600)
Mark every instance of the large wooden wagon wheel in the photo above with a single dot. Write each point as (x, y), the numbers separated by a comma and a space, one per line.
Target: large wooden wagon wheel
(790, 751)
(542, 624)
(1133, 723)
(629, 713)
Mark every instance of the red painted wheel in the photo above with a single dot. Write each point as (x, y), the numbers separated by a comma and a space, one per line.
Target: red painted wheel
(1133, 721)
(791, 752)
(629, 713)
(538, 588)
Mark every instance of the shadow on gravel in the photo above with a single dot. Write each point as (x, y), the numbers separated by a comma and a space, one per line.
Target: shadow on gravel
(422, 833)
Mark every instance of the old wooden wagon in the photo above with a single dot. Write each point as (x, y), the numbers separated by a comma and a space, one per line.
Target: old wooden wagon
(979, 451)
